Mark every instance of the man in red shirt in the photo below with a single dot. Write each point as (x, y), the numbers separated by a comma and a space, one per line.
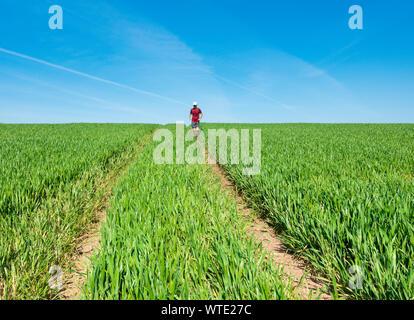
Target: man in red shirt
(195, 117)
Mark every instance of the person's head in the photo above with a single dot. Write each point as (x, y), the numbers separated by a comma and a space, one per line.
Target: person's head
(195, 104)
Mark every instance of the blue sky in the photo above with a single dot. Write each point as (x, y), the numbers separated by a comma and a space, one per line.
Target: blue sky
(243, 61)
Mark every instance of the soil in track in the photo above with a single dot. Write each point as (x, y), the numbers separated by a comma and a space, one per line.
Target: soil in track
(305, 283)
(88, 244)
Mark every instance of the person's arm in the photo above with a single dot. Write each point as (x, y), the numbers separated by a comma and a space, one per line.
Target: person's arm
(201, 115)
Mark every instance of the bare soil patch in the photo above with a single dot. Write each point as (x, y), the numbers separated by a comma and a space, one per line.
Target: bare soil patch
(87, 246)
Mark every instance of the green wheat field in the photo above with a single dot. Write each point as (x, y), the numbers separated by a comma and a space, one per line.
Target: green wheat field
(340, 196)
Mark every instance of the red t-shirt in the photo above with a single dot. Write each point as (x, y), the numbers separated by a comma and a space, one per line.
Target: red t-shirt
(195, 112)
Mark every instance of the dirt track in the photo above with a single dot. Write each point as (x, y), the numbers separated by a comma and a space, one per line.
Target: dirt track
(88, 243)
(306, 285)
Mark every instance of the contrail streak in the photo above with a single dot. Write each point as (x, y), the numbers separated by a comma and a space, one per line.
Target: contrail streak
(85, 75)
(110, 105)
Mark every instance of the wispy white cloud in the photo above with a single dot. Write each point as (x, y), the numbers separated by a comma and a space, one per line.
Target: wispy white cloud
(332, 57)
(180, 59)
(319, 68)
(283, 105)
(310, 71)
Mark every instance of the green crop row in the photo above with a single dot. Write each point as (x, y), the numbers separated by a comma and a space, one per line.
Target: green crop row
(342, 196)
(52, 178)
(171, 233)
